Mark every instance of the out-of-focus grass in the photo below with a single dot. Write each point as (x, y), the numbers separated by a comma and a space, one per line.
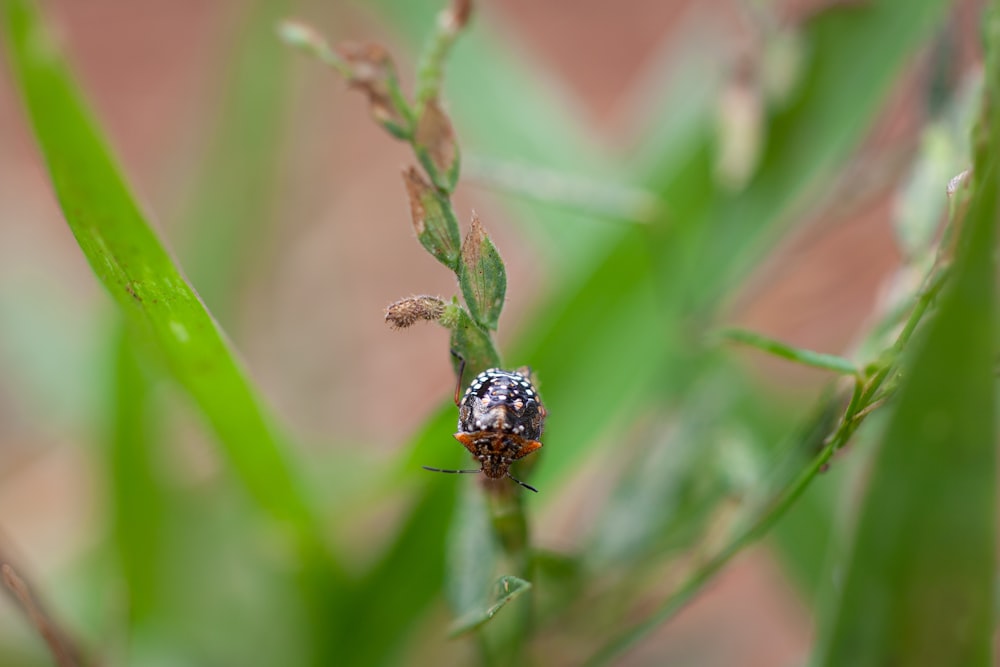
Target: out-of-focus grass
(163, 313)
(919, 583)
(227, 208)
(136, 269)
(618, 337)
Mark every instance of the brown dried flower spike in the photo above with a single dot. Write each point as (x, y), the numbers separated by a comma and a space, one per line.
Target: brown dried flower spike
(407, 312)
(373, 73)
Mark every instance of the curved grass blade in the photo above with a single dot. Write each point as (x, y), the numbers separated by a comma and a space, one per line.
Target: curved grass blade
(379, 611)
(133, 265)
(137, 496)
(921, 576)
(472, 552)
(919, 586)
(229, 196)
(828, 362)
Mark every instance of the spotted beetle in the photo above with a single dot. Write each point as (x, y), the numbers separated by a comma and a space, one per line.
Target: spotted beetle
(500, 420)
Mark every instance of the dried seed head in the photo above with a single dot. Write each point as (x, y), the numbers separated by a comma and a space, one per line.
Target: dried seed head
(435, 144)
(374, 74)
(406, 312)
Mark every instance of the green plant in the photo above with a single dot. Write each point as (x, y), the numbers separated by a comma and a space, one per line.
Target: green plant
(628, 338)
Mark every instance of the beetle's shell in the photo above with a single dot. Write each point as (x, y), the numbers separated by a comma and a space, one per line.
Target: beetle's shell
(502, 402)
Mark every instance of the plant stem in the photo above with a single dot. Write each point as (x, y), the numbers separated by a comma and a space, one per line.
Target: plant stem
(64, 652)
(430, 71)
(477, 265)
(694, 583)
(864, 398)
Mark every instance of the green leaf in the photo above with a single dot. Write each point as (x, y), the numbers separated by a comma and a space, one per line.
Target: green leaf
(827, 362)
(137, 495)
(469, 342)
(433, 219)
(231, 193)
(482, 276)
(384, 606)
(133, 265)
(920, 581)
(507, 588)
(611, 326)
(473, 552)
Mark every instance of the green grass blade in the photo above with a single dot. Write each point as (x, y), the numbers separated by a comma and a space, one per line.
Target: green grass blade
(828, 362)
(221, 221)
(376, 614)
(133, 265)
(137, 496)
(920, 581)
(714, 239)
(473, 552)
(682, 267)
(163, 309)
(392, 596)
(609, 326)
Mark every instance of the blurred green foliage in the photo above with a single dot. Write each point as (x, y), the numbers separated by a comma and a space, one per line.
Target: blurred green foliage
(702, 459)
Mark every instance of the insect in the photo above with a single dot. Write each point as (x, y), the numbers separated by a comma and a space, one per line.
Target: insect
(500, 420)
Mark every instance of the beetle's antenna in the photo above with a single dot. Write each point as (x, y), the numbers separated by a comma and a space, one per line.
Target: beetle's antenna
(457, 472)
(527, 486)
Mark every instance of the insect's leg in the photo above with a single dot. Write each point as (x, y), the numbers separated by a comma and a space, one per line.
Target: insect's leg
(527, 486)
(457, 472)
(461, 372)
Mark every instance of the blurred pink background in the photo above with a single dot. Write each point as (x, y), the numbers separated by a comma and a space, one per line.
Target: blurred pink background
(309, 323)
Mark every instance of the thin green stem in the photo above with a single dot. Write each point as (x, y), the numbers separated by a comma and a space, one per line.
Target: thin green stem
(428, 133)
(819, 360)
(757, 529)
(923, 303)
(430, 71)
(865, 397)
